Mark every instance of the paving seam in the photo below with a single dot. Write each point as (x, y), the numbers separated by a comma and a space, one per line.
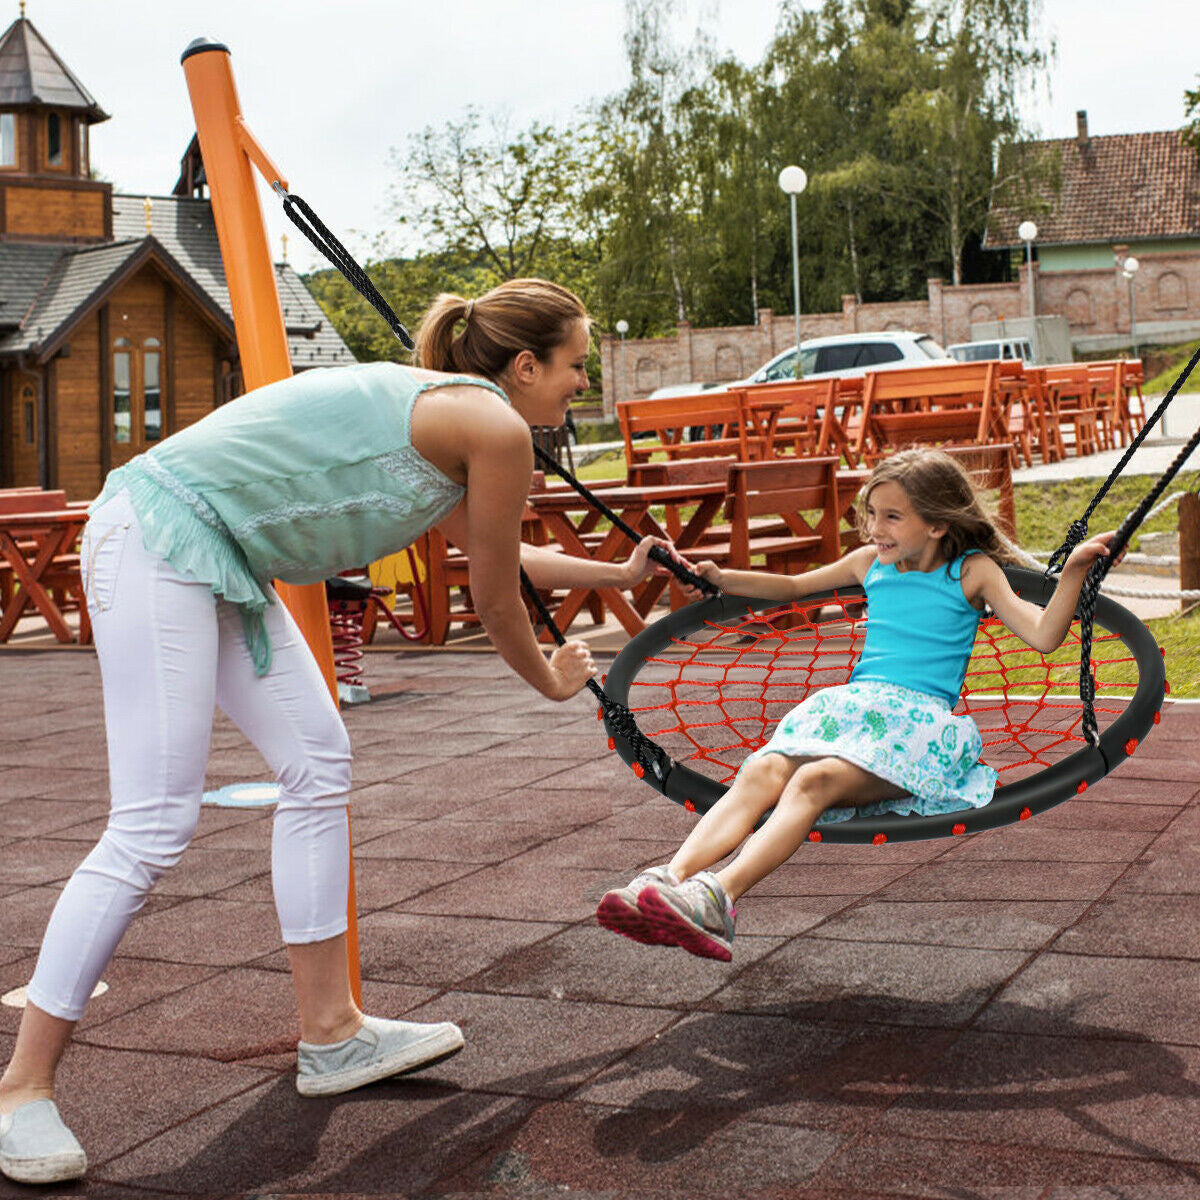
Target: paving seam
(199, 1112)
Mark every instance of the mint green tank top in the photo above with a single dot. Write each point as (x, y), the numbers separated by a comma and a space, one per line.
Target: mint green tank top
(297, 481)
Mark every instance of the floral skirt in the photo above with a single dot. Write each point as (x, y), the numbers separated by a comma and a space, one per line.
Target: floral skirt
(908, 738)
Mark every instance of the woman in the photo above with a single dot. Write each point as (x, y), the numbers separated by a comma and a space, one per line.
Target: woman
(295, 481)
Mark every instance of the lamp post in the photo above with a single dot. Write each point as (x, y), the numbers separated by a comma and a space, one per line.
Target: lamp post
(793, 180)
(1027, 231)
(622, 329)
(1129, 269)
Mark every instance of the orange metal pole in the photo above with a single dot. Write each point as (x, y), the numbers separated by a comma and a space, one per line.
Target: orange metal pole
(229, 150)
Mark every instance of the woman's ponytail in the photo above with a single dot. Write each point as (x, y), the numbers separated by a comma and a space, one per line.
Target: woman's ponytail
(481, 337)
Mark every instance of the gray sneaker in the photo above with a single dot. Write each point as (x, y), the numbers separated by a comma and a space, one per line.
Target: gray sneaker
(37, 1147)
(619, 910)
(379, 1049)
(695, 915)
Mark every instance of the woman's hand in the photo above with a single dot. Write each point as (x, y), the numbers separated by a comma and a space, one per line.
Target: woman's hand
(639, 566)
(572, 666)
(706, 570)
(1086, 553)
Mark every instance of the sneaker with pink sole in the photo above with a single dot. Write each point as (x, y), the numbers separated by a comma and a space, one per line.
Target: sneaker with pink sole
(695, 915)
(619, 910)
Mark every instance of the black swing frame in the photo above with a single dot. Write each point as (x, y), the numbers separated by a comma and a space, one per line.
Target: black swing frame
(1013, 802)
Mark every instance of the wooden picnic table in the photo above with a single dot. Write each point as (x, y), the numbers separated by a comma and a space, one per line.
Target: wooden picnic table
(30, 542)
(569, 521)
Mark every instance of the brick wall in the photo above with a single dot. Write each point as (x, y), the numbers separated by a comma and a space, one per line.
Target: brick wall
(1095, 303)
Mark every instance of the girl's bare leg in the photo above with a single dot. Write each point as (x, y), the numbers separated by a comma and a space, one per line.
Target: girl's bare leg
(41, 1041)
(321, 977)
(815, 786)
(724, 827)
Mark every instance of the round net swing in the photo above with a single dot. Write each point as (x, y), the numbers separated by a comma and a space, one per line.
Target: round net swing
(710, 682)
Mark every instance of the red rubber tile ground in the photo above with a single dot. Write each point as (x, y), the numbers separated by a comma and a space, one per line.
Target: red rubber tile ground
(1010, 1015)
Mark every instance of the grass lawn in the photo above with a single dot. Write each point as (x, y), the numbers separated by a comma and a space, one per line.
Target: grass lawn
(1180, 356)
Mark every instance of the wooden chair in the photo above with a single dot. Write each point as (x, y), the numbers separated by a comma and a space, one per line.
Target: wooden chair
(800, 492)
(669, 420)
(812, 420)
(954, 404)
(1071, 392)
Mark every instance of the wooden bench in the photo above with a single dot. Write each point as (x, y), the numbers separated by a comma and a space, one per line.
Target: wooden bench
(951, 404)
(990, 468)
(669, 420)
(1071, 397)
(803, 494)
(813, 419)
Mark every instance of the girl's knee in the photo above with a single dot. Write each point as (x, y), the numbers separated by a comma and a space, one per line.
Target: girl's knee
(767, 771)
(817, 782)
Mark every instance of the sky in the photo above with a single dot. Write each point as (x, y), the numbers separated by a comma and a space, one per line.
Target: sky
(330, 88)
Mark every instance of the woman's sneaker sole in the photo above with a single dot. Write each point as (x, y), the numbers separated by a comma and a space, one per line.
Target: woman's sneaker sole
(671, 929)
(415, 1056)
(50, 1168)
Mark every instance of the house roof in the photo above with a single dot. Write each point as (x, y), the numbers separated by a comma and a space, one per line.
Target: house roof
(32, 74)
(46, 289)
(185, 227)
(1118, 188)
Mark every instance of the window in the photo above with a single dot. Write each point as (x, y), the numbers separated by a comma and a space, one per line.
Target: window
(54, 142)
(151, 392)
(837, 358)
(29, 405)
(8, 139)
(122, 393)
(784, 368)
(84, 168)
(874, 353)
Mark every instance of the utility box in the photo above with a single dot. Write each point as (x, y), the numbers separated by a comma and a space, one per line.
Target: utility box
(1050, 337)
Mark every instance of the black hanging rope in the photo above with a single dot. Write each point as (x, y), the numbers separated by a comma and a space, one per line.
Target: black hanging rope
(657, 553)
(1077, 530)
(1101, 567)
(318, 233)
(652, 757)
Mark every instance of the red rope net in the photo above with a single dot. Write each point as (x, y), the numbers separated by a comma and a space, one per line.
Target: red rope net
(715, 695)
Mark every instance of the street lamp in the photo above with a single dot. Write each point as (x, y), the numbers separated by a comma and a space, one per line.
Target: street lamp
(1027, 231)
(622, 329)
(794, 180)
(1129, 270)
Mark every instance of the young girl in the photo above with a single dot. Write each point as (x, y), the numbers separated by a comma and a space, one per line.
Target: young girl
(296, 481)
(887, 741)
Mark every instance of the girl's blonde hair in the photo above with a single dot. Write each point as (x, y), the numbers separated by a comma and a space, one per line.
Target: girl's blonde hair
(519, 314)
(941, 493)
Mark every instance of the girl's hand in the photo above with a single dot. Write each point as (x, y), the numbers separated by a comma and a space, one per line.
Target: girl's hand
(706, 570)
(639, 566)
(572, 666)
(1086, 553)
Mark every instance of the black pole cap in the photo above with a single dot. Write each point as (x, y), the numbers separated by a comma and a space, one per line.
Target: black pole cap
(200, 45)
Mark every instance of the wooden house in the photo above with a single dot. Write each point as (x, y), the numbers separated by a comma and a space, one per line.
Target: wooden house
(115, 324)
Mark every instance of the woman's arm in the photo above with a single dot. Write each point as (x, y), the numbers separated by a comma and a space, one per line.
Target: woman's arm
(487, 525)
(553, 569)
(849, 570)
(1044, 629)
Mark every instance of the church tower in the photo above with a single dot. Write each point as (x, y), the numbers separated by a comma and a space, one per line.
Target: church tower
(46, 189)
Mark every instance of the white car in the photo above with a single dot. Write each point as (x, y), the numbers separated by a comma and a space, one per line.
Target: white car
(849, 355)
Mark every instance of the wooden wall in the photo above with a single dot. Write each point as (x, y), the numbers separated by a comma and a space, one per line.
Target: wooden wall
(75, 412)
(53, 211)
(20, 395)
(148, 305)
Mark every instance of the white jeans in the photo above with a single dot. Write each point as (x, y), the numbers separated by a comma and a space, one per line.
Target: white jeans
(168, 650)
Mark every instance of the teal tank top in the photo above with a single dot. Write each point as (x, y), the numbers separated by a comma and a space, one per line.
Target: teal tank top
(297, 481)
(920, 629)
